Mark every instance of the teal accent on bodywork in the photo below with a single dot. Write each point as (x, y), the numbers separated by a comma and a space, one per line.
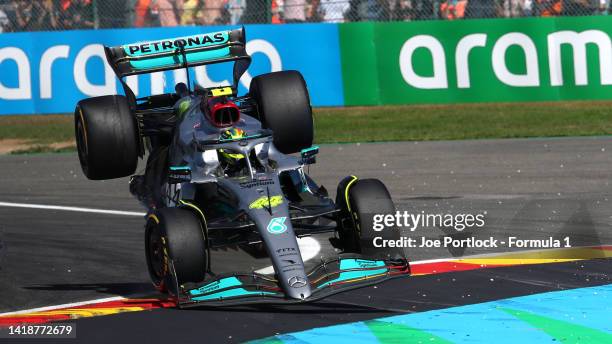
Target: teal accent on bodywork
(178, 60)
(180, 168)
(308, 155)
(222, 284)
(277, 225)
(306, 150)
(155, 47)
(347, 264)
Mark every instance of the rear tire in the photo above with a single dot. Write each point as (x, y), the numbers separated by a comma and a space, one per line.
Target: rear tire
(107, 137)
(359, 200)
(283, 105)
(175, 235)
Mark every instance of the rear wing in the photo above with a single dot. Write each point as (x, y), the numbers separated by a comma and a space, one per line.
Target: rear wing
(181, 52)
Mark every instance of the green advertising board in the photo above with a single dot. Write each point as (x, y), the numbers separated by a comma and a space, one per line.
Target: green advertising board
(494, 60)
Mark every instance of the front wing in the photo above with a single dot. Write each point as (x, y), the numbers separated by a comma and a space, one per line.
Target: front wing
(328, 278)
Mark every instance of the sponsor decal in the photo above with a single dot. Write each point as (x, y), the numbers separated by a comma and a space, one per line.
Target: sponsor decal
(285, 250)
(189, 42)
(265, 202)
(179, 174)
(277, 225)
(297, 282)
(210, 287)
(254, 183)
(216, 285)
(365, 264)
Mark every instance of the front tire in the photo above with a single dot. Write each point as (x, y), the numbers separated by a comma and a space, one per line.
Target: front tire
(359, 201)
(107, 137)
(175, 235)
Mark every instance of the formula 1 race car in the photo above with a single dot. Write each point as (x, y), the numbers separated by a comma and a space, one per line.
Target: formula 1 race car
(228, 171)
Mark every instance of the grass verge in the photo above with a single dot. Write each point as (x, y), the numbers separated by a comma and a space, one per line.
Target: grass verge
(465, 121)
(382, 123)
(36, 149)
(37, 129)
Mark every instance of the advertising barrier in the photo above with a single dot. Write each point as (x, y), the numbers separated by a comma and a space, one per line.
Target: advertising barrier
(496, 60)
(492, 60)
(48, 72)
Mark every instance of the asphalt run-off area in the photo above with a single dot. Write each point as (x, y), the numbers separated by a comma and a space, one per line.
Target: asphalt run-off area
(71, 250)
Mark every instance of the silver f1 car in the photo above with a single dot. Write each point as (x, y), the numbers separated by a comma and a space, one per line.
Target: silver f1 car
(225, 170)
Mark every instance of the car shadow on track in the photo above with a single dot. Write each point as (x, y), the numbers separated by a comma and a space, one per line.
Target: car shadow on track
(321, 307)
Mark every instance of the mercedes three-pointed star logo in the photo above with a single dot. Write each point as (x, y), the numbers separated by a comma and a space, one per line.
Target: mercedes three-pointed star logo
(297, 282)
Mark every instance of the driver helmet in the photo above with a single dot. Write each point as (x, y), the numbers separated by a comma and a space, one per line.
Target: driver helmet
(231, 134)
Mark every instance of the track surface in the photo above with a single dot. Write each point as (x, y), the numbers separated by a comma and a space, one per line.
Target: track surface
(535, 187)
